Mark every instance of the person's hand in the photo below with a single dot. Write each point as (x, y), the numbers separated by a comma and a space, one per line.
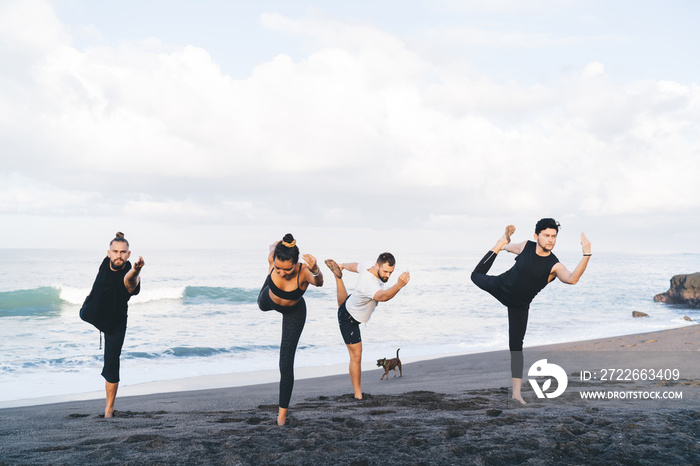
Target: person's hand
(139, 264)
(585, 244)
(310, 262)
(404, 278)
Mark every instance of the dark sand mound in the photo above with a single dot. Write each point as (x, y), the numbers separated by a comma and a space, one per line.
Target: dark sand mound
(420, 427)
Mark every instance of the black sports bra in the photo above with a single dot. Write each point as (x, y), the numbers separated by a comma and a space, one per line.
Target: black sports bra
(293, 295)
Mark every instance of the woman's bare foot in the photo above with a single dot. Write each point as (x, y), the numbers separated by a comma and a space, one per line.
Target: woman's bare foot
(335, 268)
(520, 399)
(282, 417)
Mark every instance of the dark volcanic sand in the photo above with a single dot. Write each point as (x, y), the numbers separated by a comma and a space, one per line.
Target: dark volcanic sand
(420, 427)
(442, 411)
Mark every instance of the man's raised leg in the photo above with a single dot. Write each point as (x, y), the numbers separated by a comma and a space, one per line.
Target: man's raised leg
(355, 351)
(337, 270)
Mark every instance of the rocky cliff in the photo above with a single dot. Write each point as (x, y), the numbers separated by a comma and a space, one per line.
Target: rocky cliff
(685, 289)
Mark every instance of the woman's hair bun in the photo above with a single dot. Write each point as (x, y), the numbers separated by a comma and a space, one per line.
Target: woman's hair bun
(287, 249)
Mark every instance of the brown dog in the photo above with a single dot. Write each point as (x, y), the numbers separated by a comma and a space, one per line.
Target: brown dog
(389, 364)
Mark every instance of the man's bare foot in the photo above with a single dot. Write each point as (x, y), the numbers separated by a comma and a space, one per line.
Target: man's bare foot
(503, 240)
(109, 414)
(335, 268)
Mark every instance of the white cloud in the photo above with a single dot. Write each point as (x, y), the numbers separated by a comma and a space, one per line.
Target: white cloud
(21, 195)
(29, 28)
(362, 128)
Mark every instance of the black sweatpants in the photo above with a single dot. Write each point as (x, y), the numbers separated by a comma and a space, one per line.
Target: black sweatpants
(113, 350)
(517, 315)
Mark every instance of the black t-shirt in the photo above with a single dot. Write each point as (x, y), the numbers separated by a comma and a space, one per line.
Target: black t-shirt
(106, 305)
(527, 277)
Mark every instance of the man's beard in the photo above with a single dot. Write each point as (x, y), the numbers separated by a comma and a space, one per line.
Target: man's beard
(116, 267)
(384, 279)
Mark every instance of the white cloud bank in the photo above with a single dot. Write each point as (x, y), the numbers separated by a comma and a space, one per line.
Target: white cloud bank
(364, 127)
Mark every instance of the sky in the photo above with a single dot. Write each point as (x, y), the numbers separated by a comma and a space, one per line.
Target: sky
(395, 125)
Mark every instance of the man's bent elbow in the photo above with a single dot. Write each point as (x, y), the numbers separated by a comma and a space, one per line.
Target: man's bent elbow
(571, 281)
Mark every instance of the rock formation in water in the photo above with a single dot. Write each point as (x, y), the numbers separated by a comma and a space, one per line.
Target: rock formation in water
(685, 289)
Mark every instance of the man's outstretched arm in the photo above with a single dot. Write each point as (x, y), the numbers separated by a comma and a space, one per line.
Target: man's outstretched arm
(386, 295)
(132, 278)
(515, 248)
(571, 278)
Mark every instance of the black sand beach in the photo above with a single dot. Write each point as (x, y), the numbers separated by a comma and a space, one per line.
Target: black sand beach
(454, 410)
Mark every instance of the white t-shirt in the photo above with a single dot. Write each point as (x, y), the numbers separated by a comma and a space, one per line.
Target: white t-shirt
(361, 302)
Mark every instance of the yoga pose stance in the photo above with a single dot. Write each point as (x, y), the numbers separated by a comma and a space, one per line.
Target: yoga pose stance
(106, 308)
(358, 307)
(282, 292)
(534, 268)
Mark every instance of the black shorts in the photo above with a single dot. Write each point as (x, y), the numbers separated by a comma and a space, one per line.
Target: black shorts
(349, 327)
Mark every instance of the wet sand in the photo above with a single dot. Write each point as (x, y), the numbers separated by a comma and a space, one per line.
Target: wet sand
(454, 410)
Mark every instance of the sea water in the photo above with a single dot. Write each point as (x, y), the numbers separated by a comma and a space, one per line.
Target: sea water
(196, 314)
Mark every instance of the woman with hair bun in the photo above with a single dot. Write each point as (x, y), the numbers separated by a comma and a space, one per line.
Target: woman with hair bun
(283, 292)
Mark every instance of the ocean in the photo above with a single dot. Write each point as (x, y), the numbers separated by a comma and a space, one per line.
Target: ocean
(196, 314)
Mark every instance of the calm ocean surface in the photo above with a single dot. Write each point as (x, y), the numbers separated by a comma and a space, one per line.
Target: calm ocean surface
(197, 314)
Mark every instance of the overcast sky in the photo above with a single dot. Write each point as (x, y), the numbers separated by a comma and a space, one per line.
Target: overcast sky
(410, 124)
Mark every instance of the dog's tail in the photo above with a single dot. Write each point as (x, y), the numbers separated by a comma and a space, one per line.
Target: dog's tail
(397, 353)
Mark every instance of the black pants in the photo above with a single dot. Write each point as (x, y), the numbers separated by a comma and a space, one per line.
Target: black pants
(293, 321)
(113, 350)
(517, 315)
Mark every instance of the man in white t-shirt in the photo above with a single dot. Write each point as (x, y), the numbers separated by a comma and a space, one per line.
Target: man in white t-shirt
(357, 307)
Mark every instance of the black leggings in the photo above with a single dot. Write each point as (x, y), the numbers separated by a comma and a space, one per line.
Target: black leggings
(517, 315)
(293, 320)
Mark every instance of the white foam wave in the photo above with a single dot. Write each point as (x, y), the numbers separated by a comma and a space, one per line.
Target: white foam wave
(77, 296)
(72, 295)
(156, 294)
